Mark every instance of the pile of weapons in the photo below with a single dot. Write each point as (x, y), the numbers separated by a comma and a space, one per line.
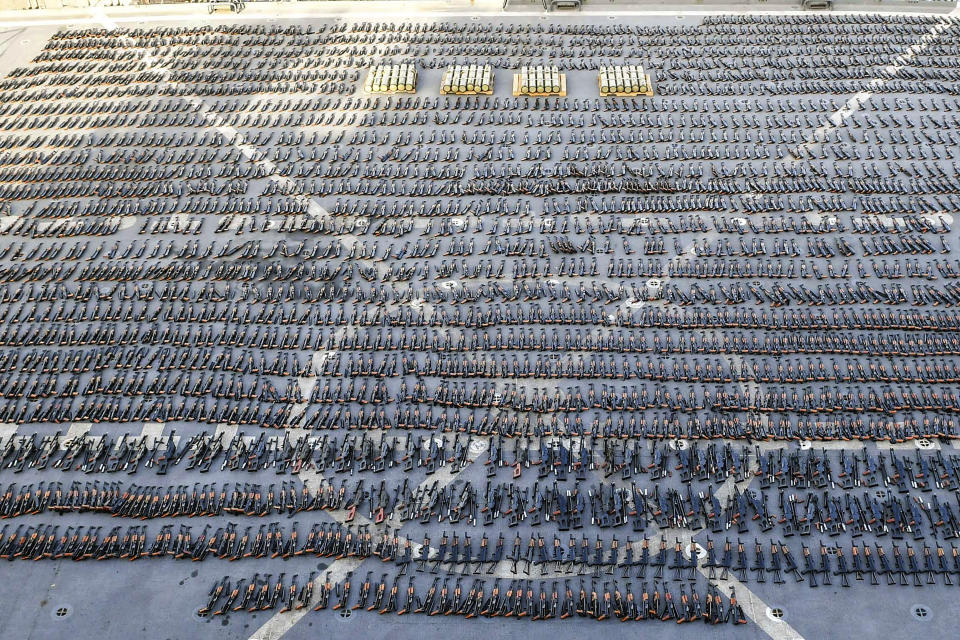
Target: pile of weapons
(629, 79)
(391, 78)
(540, 80)
(522, 599)
(467, 79)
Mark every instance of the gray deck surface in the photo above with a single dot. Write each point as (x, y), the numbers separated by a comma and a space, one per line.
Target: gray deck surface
(156, 599)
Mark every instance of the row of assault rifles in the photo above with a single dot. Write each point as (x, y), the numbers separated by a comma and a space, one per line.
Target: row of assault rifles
(899, 563)
(613, 600)
(559, 457)
(567, 507)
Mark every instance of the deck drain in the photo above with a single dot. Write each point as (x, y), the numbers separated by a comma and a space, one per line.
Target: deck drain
(61, 612)
(775, 613)
(920, 611)
(924, 443)
(346, 613)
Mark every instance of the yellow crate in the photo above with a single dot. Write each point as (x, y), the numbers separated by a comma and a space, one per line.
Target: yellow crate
(562, 93)
(627, 94)
(454, 90)
(391, 86)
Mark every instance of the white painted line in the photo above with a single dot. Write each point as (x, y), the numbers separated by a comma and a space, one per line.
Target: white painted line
(228, 431)
(876, 84)
(152, 430)
(77, 429)
(755, 609)
(278, 624)
(126, 222)
(7, 429)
